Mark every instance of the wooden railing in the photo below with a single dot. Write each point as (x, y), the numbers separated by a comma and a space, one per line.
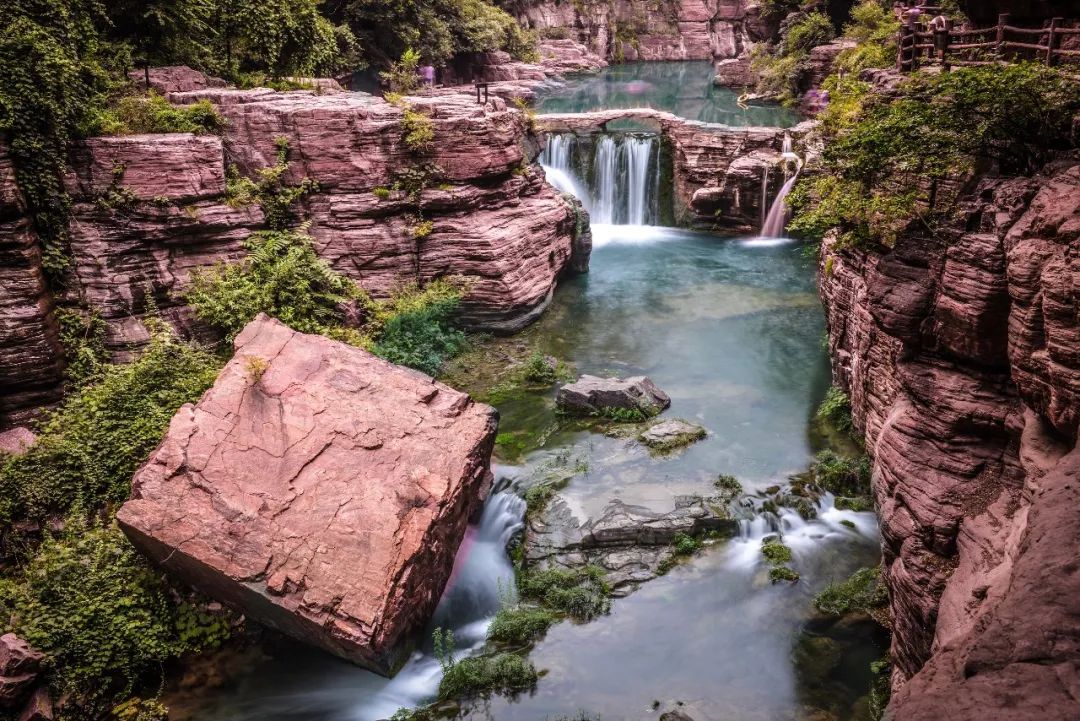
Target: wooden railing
(918, 47)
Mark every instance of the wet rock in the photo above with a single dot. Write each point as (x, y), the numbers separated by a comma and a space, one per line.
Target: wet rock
(323, 494)
(671, 434)
(592, 395)
(19, 668)
(631, 543)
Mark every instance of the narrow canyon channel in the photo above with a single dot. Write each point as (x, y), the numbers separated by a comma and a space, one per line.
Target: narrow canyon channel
(731, 328)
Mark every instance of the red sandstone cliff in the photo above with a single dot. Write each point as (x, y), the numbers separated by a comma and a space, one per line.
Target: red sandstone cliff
(495, 221)
(962, 358)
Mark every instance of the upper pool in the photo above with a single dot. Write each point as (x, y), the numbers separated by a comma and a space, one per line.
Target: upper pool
(684, 88)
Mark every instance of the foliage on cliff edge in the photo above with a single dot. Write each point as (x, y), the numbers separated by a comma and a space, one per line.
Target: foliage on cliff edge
(896, 158)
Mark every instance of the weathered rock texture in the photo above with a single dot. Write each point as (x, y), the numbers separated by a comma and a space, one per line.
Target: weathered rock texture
(962, 358)
(665, 30)
(631, 543)
(591, 395)
(318, 489)
(724, 177)
(148, 210)
(30, 352)
(22, 690)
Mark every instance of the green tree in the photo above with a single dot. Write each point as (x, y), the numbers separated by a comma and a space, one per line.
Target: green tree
(162, 31)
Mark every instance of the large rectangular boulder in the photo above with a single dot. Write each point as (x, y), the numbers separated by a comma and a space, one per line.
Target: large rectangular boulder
(318, 489)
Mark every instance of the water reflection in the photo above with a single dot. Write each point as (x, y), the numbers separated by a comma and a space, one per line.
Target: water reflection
(683, 87)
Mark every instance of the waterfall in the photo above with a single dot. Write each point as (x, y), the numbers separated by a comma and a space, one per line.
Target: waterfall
(776, 220)
(616, 176)
(482, 578)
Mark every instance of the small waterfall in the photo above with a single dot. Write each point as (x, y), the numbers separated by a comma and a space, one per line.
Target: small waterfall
(482, 578)
(777, 217)
(616, 176)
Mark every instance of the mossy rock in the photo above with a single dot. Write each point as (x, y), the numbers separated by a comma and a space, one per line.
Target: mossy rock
(672, 434)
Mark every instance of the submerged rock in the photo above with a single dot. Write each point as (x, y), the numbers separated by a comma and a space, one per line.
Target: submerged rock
(318, 489)
(592, 395)
(671, 434)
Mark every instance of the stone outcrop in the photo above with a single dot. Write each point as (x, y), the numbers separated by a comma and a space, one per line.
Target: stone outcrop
(667, 30)
(317, 489)
(21, 690)
(557, 58)
(149, 210)
(591, 395)
(631, 543)
(960, 354)
(671, 433)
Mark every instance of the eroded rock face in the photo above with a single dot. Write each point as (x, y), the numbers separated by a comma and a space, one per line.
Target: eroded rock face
(317, 489)
(150, 210)
(675, 30)
(960, 356)
(592, 395)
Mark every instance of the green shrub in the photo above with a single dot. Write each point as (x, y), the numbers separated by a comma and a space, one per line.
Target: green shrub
(520, 625)
(83, 338)
(268, 189)
(281, 276)
(859, 504)
(807, 33)
(862, 591)
(781, 69)
(686, 545)
(580, 593)
(842, 475)
(401, 76)
(883, 153)
(284, 277)
(151, 113)
(874, 30)
(729, 486)
(480, 675)
(416, 327)
(417, 130)
(783, 573)
(89, 448)
(836, 410)
(538, 369)
(101, 613)
(775, 552)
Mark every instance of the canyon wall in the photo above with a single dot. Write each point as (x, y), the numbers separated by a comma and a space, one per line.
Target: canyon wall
(148, 210)
(961, 355)
(661, 30)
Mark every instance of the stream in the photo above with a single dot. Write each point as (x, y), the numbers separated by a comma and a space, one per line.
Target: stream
(731, 329)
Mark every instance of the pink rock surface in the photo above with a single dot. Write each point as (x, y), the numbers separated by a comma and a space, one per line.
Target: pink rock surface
(318, 489)
(960, 358)
(496, 223)
(19, 668)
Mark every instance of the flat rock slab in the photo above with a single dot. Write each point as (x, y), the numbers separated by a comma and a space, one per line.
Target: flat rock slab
(671, 434)
(592, 395)
(318, 489)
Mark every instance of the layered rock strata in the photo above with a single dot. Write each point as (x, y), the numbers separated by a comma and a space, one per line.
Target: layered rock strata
(149, 210)
(666, 30)
(961, 354)
(317, 489)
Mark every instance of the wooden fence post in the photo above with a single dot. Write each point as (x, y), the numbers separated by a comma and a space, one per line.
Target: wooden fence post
(1003, 20)
(1050, 41)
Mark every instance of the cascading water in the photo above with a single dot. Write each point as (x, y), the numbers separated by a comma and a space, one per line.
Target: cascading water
(776, 220)
(615, 176)
(482, 580)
